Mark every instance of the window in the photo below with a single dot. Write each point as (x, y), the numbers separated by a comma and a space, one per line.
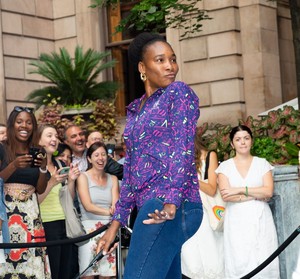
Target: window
(118, 44)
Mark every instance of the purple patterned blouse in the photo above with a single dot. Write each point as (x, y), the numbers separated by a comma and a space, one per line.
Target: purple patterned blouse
(159, 159)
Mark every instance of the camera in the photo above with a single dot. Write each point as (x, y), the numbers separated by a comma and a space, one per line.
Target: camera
(35, 152)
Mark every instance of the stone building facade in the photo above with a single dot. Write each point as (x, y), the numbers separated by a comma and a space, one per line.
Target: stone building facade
(242, 63)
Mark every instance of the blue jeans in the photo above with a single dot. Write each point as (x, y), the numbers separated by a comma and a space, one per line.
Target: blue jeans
(154, 250)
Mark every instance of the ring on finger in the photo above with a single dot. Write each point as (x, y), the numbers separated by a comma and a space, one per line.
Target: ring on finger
(166, 214)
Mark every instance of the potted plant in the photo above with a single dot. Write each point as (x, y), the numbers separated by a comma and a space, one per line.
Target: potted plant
(75, 87)
(75, 81)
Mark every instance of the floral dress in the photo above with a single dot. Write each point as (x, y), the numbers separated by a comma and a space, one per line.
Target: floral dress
(101, 195)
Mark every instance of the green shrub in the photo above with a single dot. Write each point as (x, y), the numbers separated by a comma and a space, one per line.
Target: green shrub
(273, 134)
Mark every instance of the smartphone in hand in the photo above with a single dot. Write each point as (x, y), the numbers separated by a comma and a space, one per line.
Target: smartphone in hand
(110, 149)
(35, 152)
(64, 170)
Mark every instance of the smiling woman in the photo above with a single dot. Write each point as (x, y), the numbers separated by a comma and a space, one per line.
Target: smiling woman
(62, 258)
(98, 192)
(21, 182)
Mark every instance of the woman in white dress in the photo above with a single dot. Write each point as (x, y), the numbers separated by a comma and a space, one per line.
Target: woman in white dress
(202, 255)
(246, 184)
(98, 192)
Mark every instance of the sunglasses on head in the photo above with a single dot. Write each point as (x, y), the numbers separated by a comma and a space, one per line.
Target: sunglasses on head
(19, 109)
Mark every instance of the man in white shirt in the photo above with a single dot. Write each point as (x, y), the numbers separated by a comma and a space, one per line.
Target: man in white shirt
(75, 137)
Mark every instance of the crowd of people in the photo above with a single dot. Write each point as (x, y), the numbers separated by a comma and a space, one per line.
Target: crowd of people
(163, 175)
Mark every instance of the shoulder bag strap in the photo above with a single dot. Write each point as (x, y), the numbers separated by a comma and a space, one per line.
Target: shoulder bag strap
(206, 165)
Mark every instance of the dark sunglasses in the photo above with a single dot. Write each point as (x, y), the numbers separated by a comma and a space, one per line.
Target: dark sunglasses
(19, 109)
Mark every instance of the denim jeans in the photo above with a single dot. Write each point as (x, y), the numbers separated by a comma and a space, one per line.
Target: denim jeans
(154, 250)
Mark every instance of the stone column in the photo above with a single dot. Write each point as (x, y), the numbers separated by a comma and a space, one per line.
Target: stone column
(260, 54)
(285, 206)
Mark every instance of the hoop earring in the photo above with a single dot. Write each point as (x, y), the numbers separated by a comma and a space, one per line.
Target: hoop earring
(143, 77)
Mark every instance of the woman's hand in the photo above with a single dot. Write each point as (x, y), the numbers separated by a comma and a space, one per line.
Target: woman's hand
(157, 217)
(41, 159)
(23, 161)
(112, 210)
(228, 192)
(74, 172)
(56, 177)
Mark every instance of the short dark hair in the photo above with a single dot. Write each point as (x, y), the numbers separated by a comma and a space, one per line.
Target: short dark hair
(68, 127)
(240, 128)
(61, 148)
(94, 147)
(139, 45)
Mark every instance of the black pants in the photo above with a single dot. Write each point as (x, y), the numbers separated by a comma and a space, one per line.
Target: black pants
(63, 259)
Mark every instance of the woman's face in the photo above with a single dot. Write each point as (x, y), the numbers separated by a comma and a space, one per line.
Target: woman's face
(98, 158)
(23, 126)
(242, 142)
(159, 64)
(49, 140)
(66, 157)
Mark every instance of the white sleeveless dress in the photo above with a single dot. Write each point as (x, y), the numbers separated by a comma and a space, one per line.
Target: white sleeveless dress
(202, 255)
(249, 231)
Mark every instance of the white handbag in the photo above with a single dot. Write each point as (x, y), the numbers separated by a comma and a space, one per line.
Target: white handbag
(215, 206)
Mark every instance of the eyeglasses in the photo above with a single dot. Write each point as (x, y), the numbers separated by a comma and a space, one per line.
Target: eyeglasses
(19, 109)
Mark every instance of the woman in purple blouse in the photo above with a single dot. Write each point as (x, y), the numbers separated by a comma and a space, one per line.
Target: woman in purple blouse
(160, 176)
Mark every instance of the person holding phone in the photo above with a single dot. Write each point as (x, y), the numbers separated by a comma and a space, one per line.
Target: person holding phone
(160, 175)
(21, 183)
(61, 257)
(64, 153)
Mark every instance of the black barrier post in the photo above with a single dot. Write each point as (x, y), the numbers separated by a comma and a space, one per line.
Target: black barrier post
(274, 255)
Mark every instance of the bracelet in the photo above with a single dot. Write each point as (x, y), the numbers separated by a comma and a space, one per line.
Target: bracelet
(246, 194)
(43, 171)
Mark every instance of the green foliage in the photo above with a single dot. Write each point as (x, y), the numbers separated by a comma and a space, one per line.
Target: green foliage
(157, 15)
(102, 118)
(265, 147)
(75, 80)
(293, 150)
(102, 3)
(273, 135)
